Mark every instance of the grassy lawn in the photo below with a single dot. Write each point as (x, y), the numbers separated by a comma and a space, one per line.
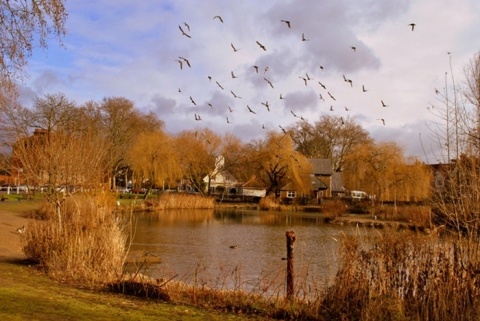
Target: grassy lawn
(27, 294)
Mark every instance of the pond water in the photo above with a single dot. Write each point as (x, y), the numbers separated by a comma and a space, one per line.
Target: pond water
(241, 248)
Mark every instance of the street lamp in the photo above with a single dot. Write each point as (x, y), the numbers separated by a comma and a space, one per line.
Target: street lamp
(20, 170)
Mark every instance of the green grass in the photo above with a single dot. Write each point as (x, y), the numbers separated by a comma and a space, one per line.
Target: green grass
(27, 294)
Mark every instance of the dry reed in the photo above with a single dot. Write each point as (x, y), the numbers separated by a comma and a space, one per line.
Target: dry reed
(88, 245)
(182, 201)
(406, 277)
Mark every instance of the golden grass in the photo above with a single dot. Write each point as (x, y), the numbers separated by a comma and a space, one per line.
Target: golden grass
(87, 245)
(182, 201)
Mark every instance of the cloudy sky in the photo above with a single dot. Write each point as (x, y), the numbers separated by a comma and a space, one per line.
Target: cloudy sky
(132, 49)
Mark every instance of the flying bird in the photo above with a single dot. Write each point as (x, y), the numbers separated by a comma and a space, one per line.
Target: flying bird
(261, 46)
(294, 115)
(219, 85)
(230, 109)
(281, 96)
(321, 97)
(183, 32)
(351, 82)
(219, 18)
(269, 82)
(228, 121)
(186, 60)
(233, 75)
(287, 23)
(234, 95)
(383, 121)
(346, 109)
(233, 47)
(180, 62)
(193, 101)
(322, 85)
(304, 80)
(321, 67)
(331, 95)
(331, 108)
(250, 110)
(266, 105)
(341, 120)
(256, 68)
(303, 37)
(383, 104)
(283, 129)
(363, 89)
(354, 48)
(211, 106)
(197, 117)
(186, 25)
(209, 78)
(205, 138)
(412, 25)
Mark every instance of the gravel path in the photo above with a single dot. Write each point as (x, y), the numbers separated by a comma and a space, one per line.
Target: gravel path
(10, 246)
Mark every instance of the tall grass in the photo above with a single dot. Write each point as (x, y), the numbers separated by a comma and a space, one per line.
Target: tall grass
(87, 245)
(182, 201)
(406, 277)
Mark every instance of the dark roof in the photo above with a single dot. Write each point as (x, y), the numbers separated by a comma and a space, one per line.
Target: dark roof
(321, 166)
(337, 182)
(316, 185)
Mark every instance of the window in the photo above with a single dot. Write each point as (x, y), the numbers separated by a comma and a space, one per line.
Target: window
(291, 194)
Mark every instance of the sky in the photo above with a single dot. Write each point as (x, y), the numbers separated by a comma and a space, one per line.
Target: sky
(132, 49)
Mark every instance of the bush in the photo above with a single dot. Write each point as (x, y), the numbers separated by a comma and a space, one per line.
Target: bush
(87, 245)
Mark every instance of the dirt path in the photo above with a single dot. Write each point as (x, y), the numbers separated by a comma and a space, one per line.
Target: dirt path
(10, 247)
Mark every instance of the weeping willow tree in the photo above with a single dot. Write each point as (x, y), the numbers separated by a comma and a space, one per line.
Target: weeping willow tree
(381, 169)
(154, 160)
(277, 163)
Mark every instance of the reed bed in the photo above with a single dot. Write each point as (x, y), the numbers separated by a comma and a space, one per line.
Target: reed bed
(406, 276)
(88, 245)
(167, 201)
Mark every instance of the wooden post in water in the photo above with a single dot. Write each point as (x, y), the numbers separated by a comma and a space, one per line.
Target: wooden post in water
(290, 245)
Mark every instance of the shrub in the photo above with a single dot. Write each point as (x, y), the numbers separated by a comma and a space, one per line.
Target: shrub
(88, 245)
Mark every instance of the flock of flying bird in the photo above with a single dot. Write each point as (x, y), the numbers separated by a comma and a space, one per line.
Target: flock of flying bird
(183, 62)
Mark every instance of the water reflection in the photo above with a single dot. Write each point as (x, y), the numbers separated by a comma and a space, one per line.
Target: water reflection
(237, 248)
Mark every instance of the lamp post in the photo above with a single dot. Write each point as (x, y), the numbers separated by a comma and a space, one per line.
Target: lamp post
(20, 170)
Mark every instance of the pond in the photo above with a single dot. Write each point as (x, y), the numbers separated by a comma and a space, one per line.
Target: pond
(238, 248)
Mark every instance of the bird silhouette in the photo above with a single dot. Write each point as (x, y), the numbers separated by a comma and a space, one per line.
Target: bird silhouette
(350, 81)
(233, 75)
(383, 104)
(354, 48)
(294, 115)
(323, 86)
(346, 109)
(234, 95)
(342, 121)
(219, 85)
(261, 46)
(211, 106)
(233, 47)
(219, 18)
(193, 101)
(186, 60)
(331, 108)
(228, 121)
(180, 62)
(269, 82)
(321, 97)
(256, 68)
(304, 80)
(186, 25)
(281, 96)
(287, 23)
(206, 139)
(283, 129)
(412, 25)
(303, 37)
(209, 78)
(183, 32)
(250, 110)
(331, 96)
(197, 117)
(321, 67)
(230, 109)
(266, 105)
(383, 121)
(363, 89)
